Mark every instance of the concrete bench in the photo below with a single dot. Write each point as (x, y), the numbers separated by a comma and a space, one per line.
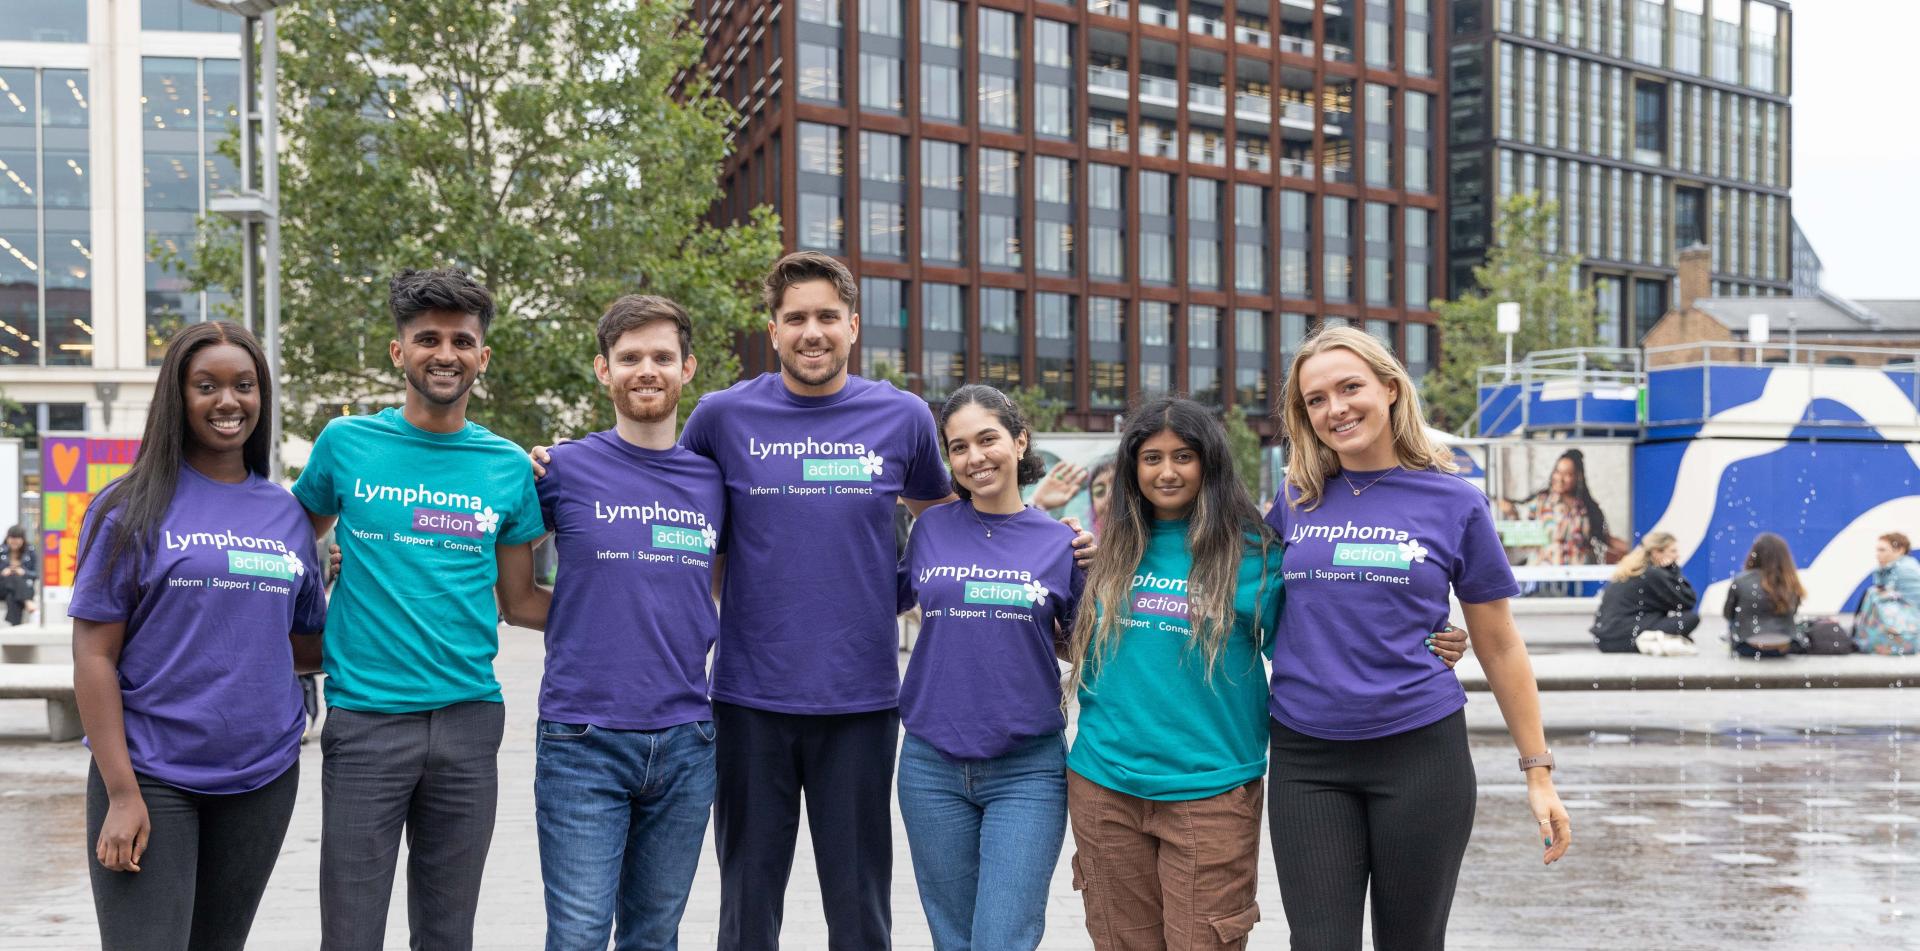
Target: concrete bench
(23, 644)
(52, 683)
(1713, 668)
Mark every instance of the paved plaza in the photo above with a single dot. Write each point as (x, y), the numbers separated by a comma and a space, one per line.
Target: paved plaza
(1703, 819)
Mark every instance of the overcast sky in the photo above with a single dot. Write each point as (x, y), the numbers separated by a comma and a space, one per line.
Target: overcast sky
(1856, 142)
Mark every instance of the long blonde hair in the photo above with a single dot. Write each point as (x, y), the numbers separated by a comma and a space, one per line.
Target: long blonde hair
(1309, 461)
(1223, 523)
(1635, 563)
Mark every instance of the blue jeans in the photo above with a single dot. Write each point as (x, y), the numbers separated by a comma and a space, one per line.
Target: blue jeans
(621, 815)
(985, 837)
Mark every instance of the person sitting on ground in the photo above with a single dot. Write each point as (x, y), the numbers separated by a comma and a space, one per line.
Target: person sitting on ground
(1889, 620)
(1649, 605)
(19, 569)
(1762, 600)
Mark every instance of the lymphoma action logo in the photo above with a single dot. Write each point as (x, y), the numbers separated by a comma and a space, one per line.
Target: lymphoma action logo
(246, 554)
(669, 528)
(435, 512)
(1161, 597)
(823, 461)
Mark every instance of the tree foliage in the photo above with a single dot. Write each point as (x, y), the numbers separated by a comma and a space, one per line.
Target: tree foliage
(1041, 410)
(1244, 442)
(564, 152)
(1555, 312)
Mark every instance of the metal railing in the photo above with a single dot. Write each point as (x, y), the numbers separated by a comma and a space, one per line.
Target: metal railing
(1253, 36)
(1253, 105)
(1159, 88)
(1107, 79)
(1296, 44)
(1571, 373)
(1159, 16)
(1209, 98)
(1251, 160)
(1206, 26)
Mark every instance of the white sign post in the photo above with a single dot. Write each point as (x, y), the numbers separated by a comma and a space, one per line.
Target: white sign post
(1506, 315)
(1758, 332)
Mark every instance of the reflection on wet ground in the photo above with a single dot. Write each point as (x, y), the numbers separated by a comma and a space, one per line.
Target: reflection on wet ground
(1729, 819)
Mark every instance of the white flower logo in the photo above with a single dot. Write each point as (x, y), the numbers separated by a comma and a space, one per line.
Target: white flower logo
(1412, 550)
(873, 463)
(1036, 592)
(709, 536)
(487, 519)
(294, 564)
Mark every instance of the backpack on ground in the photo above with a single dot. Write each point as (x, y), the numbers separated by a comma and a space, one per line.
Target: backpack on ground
(1823, 635)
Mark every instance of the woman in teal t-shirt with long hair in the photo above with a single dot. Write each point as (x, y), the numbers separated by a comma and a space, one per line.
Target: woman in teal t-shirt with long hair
(1165, 772)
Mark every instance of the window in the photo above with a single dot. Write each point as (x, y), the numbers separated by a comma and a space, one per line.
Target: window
(188, 108)
(1203, 354)
(1000, 349)
(940, 92)
(1250, 238)
(940, 23)
(1106, 222)
(1418, 353)
(884, 228)
(1053, 207)
(819, 72)
(1763, 27)
(880, 158)
(883, 327)
(1107, 347)
(1379, 149)
(999, 101)
(182, 15)
(1379, 35)
(999, 33)
(1053, 317)
(1650, 31)
(821, 226)
(1649, 122)
(882, 87)
(882, 18)
(1296, 238)
(1337, 248)
(1419, 268)
(1052, 44)
(943, 201)
(65, 21)
(1417, 175)
(1156, 353)
(1000, 240)
(1379, 254)
(1725, 40)
(46, 253)
(1000, 173)
(1416, 43)
(1053, 110)
(1203, 232)
(826, 12)
(941, 165)
(1250, 360)
(1052, 179)
(945, 309)
(1689, 36)
(820, 149)
(1649, 305)
(1156, 227)
(1054, 345)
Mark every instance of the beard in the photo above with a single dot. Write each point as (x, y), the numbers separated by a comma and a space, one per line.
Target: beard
(422, 384)
(836, 364)
(626, 404)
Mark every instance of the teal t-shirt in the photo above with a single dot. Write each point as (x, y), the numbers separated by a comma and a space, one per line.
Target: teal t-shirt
(413, 624)
(1152, 724)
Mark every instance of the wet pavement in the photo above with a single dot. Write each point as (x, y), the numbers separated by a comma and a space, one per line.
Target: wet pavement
(1703, 820)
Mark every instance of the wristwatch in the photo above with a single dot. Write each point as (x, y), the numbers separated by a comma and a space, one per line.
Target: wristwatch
(1538, 759)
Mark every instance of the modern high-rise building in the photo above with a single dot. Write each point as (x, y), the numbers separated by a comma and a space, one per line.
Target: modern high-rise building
(1103, 200)
(1654, 125)
(111, 117)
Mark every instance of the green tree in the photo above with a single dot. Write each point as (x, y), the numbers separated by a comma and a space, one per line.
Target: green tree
(564, 152)
(1042, 411)
(1555, 312)
(1244, 442)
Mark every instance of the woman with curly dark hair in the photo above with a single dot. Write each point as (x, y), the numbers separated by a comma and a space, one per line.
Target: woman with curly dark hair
(1576, 527)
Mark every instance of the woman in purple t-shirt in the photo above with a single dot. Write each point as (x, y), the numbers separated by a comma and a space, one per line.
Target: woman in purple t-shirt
(983, 769)
(1371, 779)
(194, 569)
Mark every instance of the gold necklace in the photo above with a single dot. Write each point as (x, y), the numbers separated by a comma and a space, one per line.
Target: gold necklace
(971, 507)
(1359, 489)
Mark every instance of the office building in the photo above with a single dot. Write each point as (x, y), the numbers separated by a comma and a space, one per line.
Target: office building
(111, 116)
(1654, 125)
(1102, 200)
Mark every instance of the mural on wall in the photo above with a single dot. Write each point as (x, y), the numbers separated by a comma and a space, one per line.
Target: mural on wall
(1826, 457)
(73, 469)
(1563, 502)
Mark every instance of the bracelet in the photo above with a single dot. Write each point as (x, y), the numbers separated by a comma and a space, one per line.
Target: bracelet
(1538, 759)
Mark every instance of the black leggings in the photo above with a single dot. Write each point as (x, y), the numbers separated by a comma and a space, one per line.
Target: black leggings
(206, 865)
(1395, 812)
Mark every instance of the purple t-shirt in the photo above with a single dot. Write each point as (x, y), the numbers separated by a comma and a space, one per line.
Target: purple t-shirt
(206, 675)
(1367, 579)
(632, 617)
(983, 675)
(807, 608)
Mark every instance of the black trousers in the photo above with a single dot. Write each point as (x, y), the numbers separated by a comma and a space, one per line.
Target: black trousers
(207, 863)
(1393, 813)
(844, 763)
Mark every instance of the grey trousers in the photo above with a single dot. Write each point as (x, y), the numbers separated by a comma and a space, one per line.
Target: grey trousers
(433, 776)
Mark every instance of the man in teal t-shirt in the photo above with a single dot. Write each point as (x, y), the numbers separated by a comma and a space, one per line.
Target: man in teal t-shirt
(435, 515)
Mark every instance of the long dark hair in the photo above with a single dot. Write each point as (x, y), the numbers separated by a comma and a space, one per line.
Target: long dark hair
(1597, 536)
(1778, 577)
(1224, 521)
(1030, 468)
(141, 497)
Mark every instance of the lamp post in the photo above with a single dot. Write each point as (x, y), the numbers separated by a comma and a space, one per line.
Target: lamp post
(255, 205)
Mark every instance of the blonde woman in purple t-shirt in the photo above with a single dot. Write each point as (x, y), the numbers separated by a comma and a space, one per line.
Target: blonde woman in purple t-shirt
(1372, 785)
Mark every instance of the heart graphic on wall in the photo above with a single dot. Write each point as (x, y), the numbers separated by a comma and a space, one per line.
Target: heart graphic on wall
(64, 471)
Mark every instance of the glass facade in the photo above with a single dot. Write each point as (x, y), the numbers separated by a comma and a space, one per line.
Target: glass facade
(46, 241)
(188, 107)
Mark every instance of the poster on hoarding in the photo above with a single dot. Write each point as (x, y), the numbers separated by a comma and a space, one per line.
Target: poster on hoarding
(1563, 502)
(73, 469)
